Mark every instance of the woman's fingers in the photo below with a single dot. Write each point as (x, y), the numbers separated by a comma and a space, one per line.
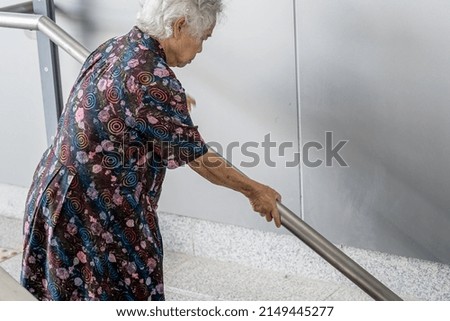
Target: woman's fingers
(190, 102)
(277, 217)
(273, 215)
(265, 203)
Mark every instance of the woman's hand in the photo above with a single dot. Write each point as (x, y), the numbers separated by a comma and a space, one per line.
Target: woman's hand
(263, 198)
(190, 102)
(264, 201)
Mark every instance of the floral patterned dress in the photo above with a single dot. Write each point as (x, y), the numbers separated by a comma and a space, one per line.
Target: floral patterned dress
(91, 229)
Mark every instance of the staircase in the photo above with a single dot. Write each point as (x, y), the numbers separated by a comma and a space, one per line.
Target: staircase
(207, 261)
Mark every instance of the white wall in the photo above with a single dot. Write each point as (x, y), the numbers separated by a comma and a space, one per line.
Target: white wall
(377, 73)
(22, 125)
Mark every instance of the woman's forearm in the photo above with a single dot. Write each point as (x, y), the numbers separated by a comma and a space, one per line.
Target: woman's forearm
(216, 170)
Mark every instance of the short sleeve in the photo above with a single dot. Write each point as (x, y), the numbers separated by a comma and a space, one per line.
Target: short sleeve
(160, 114)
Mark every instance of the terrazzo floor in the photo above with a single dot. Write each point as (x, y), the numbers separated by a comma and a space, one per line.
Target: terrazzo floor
(199, 279)
(190, 278)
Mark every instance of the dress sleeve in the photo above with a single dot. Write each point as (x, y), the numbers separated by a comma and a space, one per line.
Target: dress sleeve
(159, 113)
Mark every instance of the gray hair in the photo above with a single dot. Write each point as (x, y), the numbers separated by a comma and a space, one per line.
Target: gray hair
(156, 17)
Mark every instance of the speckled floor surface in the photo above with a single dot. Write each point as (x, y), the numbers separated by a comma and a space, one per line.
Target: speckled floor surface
(199, 279)
(211, 261)
(191, 278)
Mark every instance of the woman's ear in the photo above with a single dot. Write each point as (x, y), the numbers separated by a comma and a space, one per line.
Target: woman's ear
(178, 27)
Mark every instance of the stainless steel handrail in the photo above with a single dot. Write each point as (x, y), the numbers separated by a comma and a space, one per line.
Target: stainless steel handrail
(352, 270)
(328, 251)
(367, 282)
(42, 23)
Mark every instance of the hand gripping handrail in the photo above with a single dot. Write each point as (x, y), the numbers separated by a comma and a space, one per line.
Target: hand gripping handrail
(353, 271)
(328, 251)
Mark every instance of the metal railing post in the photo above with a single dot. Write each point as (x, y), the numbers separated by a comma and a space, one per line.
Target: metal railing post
(50, 71)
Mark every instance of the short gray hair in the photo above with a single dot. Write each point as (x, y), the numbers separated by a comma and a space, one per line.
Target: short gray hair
(156, 17)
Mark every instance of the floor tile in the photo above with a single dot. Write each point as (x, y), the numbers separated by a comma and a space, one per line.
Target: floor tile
(11, 233)
(13, 266)
(175, 294)
(229, 281)
(349, 294)
(173, 261)
(11, 290)
(6, 254)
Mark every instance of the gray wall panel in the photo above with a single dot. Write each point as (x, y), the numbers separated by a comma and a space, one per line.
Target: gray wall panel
(22, 125)
(377, 73)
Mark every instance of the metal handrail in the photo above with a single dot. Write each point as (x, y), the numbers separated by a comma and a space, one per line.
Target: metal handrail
(367, 282)
(328, 251)
(48, 27)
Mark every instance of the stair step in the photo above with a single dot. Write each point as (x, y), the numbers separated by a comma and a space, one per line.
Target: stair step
(189, 278)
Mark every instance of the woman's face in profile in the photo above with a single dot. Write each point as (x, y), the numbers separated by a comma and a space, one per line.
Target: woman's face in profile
(187, 46)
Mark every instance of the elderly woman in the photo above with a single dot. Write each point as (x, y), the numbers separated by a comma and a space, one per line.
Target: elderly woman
(91, 229)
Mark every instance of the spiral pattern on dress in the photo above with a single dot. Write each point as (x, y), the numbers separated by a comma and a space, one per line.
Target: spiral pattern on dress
(54, 219)
(86, 274)
(145, 78)
(89, 101)
(150, 218)
(159, 95)
(64, 153)
(140, 95)
(113, 94)
(49, 197)
(81, 140)
(116, 72)
(116, 126)
(186, 150)
(160, 131)
(55, 259)
(130, 235)
(74, 206)
(37, 238)
(110, 161)
(86, 235)
(140, 125)
(105, 199)
(54, 289)
(141, 291)
(130, 180)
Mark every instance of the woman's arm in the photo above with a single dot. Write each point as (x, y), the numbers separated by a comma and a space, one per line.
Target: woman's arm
(262, 198)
